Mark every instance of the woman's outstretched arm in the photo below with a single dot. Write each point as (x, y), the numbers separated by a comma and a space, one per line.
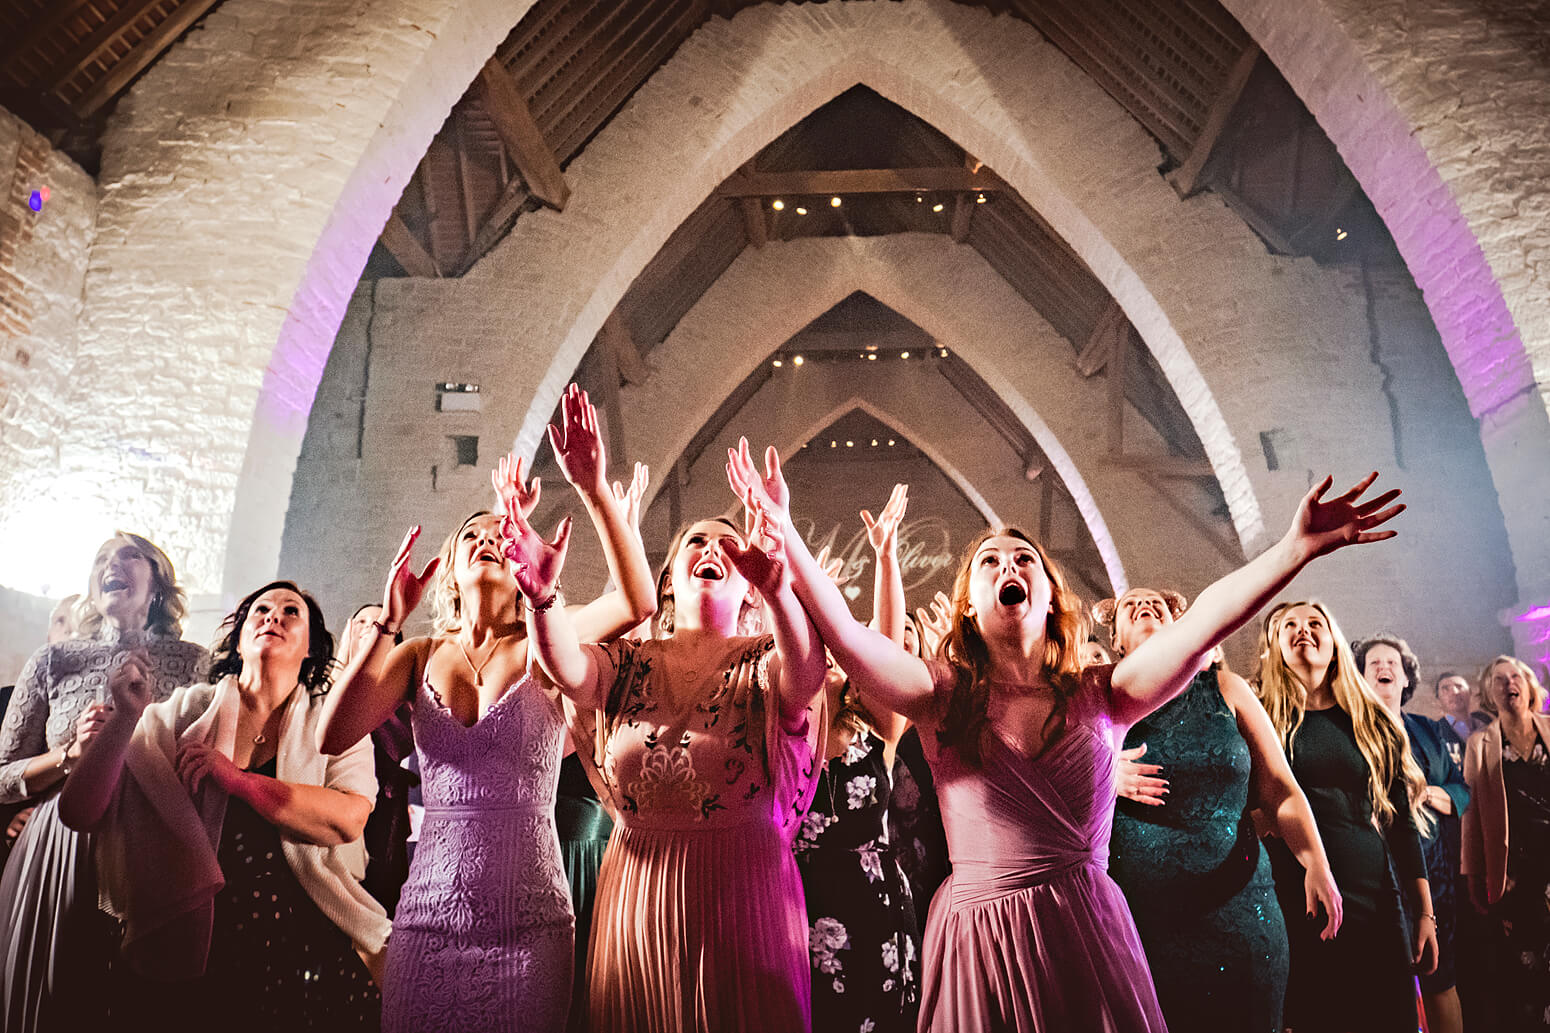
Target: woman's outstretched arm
(1163, 665)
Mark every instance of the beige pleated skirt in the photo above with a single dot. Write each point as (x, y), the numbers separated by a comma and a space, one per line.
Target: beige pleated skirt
(699, 931)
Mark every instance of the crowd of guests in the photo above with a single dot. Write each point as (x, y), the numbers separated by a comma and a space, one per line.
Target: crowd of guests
(713, 800)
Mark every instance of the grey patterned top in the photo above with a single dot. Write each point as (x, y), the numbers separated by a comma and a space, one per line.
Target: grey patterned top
(63, 679)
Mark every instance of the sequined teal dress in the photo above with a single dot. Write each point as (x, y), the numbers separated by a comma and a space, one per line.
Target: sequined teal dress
(1198, 884)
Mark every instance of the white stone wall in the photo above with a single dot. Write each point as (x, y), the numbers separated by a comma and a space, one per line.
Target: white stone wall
(23, 628)
(43, 258)
(1442, 110)
(244, 180)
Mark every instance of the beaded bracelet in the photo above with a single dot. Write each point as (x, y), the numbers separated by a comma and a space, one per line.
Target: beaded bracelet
(541, 607)
(383, 629)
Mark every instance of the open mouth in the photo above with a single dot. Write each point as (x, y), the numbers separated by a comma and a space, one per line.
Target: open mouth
(486, 556)
(114, 583)
(1012, 594)
(709, 572)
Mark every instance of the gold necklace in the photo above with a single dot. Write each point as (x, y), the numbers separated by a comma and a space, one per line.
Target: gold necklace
(479, 669)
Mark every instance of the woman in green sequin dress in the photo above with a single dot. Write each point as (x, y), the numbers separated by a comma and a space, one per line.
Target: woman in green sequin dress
(1198, 884)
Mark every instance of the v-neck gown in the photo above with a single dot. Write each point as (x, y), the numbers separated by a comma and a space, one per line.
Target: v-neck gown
(1029, 934)
(483, 936)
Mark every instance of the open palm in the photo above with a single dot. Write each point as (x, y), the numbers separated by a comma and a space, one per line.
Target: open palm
(535, 563)
(1324, 525)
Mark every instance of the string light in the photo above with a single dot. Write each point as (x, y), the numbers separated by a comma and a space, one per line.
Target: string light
(777, 364)
(871, 356)
(890, 442)
(937, 207)
(874, 442)
(796, 360)
(834, 444)
(801, 211)
(1340, 234)
(834, 202)
(943, 353)
(778, 205)
(850, 444)
(980, 199)
(904, 355)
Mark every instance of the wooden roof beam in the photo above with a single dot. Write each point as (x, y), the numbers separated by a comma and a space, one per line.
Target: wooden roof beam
(941, 179)
(122, 72)
(1186, 178)
(533, 156)
(408, 251)
(39, 28)
(619, 348)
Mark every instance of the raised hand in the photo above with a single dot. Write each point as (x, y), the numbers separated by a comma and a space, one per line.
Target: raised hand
(769, 488)
(578, 445)
(1139, 782)
(935, 623)
(535, 563)
(762, 561)
(87, 727)
(630, 497)
(1323, 525)
(883, 531)
(198, 762)
(404, 589)
(507, 480)
(129, 684)
(832, 566)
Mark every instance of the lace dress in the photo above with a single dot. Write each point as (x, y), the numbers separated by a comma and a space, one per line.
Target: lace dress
(482, 939)
(1198, 884)
(862, 938)
(56, 944)
(699, 924)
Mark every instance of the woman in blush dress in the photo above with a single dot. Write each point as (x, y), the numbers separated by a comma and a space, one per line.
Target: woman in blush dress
(706, 746)
(483, 934)
(55, 941)
(1189, 861)
(1029, 933)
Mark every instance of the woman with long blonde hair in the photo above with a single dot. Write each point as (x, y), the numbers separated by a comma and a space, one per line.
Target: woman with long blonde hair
(1352, 758)
(1029, 933)
(483, 936)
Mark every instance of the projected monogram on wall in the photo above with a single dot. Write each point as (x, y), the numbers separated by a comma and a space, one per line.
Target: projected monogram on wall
(925, 550)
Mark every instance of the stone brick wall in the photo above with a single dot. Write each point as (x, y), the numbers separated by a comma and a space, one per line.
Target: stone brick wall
(244, 180)
(43, 258)
(1442, 110)
(23, 625)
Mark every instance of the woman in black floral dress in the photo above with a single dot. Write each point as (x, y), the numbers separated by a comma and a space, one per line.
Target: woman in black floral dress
(863, 938)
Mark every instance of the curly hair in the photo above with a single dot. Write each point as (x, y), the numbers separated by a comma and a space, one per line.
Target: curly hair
(316, 669)
(1106, 611)
(169, 603)
(1407, 659)
(964, 648)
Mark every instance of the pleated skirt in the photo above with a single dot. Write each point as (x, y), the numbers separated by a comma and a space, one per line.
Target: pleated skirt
(1061, 956)
(57, 945)
(699, 931)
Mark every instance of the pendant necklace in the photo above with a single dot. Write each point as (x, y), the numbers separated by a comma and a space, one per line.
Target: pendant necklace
(477, 669)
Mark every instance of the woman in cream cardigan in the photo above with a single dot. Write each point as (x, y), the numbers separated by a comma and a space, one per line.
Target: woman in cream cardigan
(228, 843)
(1507, 839)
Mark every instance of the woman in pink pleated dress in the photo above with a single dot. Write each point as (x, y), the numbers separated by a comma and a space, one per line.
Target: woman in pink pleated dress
(706, 747)
(1029, 933)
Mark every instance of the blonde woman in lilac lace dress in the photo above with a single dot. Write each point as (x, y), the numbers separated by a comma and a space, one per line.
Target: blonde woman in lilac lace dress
(483, 936)
(1029, 933)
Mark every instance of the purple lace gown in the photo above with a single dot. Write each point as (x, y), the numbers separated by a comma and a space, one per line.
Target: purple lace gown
(483, 938)
(1029, 934)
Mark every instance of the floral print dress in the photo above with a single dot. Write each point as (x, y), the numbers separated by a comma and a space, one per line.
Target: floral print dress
(863, 939)
(698, 925)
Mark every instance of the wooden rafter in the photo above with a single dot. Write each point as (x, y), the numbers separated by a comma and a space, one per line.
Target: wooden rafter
(1094, 355)
(1115, 372)
(147, 50)
(1186, 178)
(408, 251)
(104, 36)
(940, 179)
(619, 345)
(524, 142)
(39, 28)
